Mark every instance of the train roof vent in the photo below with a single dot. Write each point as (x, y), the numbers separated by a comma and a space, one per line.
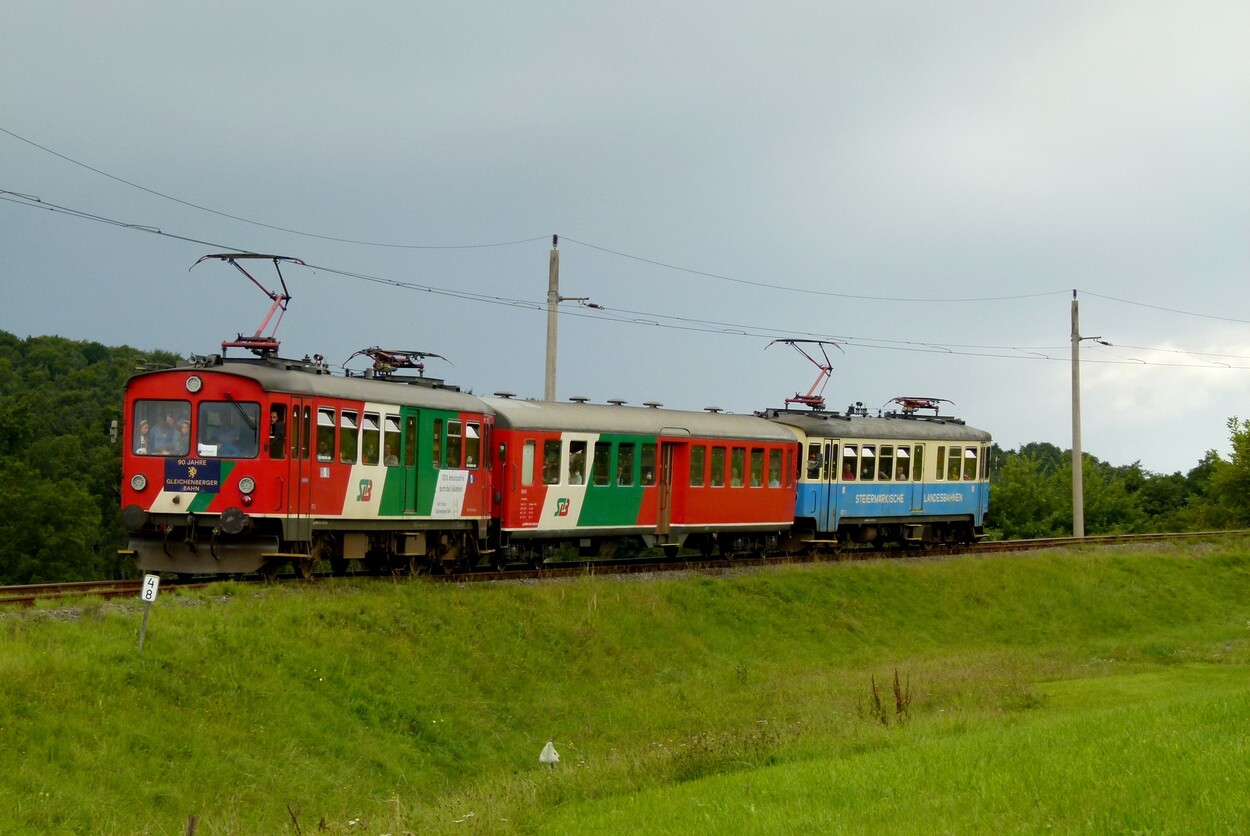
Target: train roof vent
(579, 399)
(713, 409)
(505, 395)
(653, 404)
(617, 401)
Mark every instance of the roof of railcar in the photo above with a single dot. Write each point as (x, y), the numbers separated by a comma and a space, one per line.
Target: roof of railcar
(611, 418)
(300, 378)
(891, 425)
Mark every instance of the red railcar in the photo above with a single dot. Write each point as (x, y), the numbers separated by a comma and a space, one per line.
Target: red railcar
(590, 474)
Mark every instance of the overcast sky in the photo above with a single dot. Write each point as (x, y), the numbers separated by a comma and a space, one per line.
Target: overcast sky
(925, 183)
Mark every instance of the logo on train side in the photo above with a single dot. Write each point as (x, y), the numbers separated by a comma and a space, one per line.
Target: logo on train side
(562, 507)
(366, 490)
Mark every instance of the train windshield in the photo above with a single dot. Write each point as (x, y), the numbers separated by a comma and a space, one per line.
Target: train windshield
(228, 429)
(161, 428)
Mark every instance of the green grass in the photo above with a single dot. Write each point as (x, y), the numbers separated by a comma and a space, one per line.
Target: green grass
(1087, 691)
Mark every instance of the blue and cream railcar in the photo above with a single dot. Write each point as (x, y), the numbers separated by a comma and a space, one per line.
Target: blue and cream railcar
(591, 474)
(899, 478)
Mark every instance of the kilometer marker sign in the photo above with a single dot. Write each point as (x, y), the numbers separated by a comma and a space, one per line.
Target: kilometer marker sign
(147, 594)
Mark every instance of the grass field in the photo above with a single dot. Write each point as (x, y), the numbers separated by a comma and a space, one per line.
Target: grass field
(1082, 691)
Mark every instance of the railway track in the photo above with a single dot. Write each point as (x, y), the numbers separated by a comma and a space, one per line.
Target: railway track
(27, 595)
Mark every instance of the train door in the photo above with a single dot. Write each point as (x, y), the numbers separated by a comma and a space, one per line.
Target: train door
(297, 428)
(827, 500)
(917, 478)
(409, 460)
(664, 512)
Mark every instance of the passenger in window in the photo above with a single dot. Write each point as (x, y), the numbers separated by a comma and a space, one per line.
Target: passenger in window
(900, 472)
(141, 437)
(813, 465)
(577, 468)
(848, 471)
(392, 454)
(324, 453)
(182, 444)
(735, 478)
(277, 434)
(164, 436)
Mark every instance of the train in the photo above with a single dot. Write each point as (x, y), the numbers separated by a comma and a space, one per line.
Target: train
(240, 465)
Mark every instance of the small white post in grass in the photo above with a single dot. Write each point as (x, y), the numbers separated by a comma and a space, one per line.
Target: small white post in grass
(549, 755)
(151, 584)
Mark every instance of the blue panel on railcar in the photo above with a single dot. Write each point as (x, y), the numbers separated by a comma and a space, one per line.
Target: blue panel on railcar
(832, 504)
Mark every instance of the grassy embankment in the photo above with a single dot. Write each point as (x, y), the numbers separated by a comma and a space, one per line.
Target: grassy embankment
(1095, 691)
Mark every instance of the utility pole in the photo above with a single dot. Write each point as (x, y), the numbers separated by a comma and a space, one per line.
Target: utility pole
(1078, 474)
(553, 300)
(1078, 477)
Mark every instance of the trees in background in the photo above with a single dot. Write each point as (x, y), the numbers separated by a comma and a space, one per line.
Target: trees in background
(59, 471)
(1031, 493)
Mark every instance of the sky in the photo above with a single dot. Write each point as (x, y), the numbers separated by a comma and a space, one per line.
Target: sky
(925, 184)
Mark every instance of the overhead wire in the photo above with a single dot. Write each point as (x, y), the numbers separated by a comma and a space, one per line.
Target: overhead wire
(690, 324)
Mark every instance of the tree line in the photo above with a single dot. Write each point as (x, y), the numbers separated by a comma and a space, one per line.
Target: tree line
(60, 471)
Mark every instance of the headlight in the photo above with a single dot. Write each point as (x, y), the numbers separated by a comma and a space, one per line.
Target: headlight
(247, 484)
(138, 482)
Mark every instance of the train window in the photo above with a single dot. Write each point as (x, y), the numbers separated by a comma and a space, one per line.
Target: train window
(410, 441)
(698, 458)
(472, 444)
(455, 435)
(551, 461)
(277, 431)
(577, 463)
(529, 452)
(648, 464)
(158, 428)
(348, 430)
(229, 429)
(885, 463)
(737, 466)
(305, 442)
(790, 473)
(941, 462)
(625, 464)
(601, 470)
(718, 466)
(437, 448)
(917, 464)
(371, 439)
(901, 469)
(774, 468)
(970, 463)
(850, 462)
(757, 467)
(390, 441)
(953, 457)
(867, 454)
(298, 430)
(813, 460)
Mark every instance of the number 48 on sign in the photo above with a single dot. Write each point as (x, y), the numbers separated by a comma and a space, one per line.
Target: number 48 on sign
(147, 593)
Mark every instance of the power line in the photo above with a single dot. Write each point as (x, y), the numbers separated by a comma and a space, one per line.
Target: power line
(788, 289)
(678, 323)
(164, 196)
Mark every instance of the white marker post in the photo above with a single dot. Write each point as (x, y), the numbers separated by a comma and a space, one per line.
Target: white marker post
(151, 584)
